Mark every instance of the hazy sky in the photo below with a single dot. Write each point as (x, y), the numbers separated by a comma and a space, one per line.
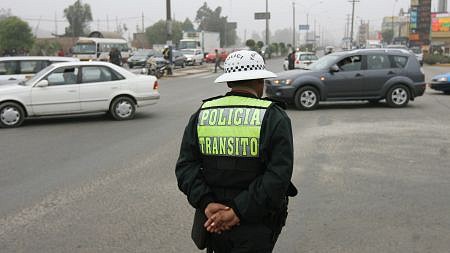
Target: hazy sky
(330, 14)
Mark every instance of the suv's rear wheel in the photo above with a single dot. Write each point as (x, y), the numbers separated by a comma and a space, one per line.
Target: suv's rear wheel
(398, 96)
(11, 115)
(122, 108)
(307, 98)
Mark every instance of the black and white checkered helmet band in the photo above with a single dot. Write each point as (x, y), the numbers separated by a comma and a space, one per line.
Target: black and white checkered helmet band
(244, 68)
(244, 65)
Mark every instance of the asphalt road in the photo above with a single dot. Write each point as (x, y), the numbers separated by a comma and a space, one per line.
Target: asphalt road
(371, 178)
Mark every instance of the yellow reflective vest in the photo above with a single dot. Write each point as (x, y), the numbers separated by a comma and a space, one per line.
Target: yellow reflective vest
(231, 126)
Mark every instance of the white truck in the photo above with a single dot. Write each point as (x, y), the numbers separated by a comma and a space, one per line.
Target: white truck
(204, 40)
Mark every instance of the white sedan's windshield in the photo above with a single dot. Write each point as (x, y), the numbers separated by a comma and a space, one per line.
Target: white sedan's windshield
(38, 75)
(324, 62)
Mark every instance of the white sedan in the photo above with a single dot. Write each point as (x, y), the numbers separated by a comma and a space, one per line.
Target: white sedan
(76, 88)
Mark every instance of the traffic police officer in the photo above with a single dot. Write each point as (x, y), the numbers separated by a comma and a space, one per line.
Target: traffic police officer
(236, 160)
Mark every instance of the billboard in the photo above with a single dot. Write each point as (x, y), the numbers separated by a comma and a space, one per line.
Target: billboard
(420, 22)
(440, 24)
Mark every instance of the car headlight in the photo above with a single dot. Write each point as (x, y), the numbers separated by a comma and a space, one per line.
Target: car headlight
(442, 79)
(282, 82)
(189, 59)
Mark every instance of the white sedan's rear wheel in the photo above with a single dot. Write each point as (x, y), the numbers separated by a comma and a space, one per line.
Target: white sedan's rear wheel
(122, 108)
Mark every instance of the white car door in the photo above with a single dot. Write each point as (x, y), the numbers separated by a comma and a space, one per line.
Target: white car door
(61, 96)
(97, 85)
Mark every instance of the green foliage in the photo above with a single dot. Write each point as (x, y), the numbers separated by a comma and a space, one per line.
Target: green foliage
(282, 47)
(251, 44)
(259, 44)
(78, 15)
(274, 48)
(436, 59)
(388, 35)
(42, 47)
(157, 33)
(187, 25)
(212, 21)
(15, 33)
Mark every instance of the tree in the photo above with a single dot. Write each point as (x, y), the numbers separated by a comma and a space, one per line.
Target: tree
(259, 44)
(250, 43)
(274, 48)
(78, 15)
(388, 35)
(157, 33)
(45, 47)
(212, 21)
(15, 34)
(283, 49)
(187, 25)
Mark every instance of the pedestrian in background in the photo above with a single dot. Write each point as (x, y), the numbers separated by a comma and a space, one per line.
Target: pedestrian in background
(115, 57)
(167, 53)
(236, 160)
(291, 60)
(217, 61)
(60, 52)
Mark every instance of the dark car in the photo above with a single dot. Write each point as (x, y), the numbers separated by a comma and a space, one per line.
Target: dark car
(157, 59)
(140, 58)
(366, 74)
(179, 59)
(441, 83)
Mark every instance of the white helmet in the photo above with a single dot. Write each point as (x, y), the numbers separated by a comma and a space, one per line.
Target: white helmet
(244, 65)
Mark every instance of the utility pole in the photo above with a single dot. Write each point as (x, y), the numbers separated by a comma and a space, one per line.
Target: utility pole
(353, 19)
(107, 23)
(267, 23)
(347, 26)
(168, 20)
(143, 27)
(307, 31)
(293, 24)
(314, 43)
(56, 26)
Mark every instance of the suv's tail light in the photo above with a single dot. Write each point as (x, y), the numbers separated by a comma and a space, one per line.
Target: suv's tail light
(297, 62)
(155, 85)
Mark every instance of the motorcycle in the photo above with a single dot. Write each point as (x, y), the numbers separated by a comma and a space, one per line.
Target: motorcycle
(157, 70)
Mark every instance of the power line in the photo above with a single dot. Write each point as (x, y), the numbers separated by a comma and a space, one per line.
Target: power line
(353, 19)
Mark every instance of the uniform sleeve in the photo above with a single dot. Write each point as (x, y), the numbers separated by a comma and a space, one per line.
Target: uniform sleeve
(267, 192)
(189, 169)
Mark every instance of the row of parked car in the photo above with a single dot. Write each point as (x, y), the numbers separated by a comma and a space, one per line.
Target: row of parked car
(180, 58)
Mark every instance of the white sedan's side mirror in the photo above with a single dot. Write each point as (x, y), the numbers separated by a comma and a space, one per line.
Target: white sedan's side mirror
(42, 83)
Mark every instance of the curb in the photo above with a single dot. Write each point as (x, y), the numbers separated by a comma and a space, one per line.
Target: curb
(191, 71)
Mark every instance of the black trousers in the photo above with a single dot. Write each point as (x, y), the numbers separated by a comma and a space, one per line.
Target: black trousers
(245, 238)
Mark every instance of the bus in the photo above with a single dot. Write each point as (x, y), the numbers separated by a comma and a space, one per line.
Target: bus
(97, 49)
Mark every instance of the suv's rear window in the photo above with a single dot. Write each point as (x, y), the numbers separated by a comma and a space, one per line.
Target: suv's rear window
(378, 61)
(399, 61)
